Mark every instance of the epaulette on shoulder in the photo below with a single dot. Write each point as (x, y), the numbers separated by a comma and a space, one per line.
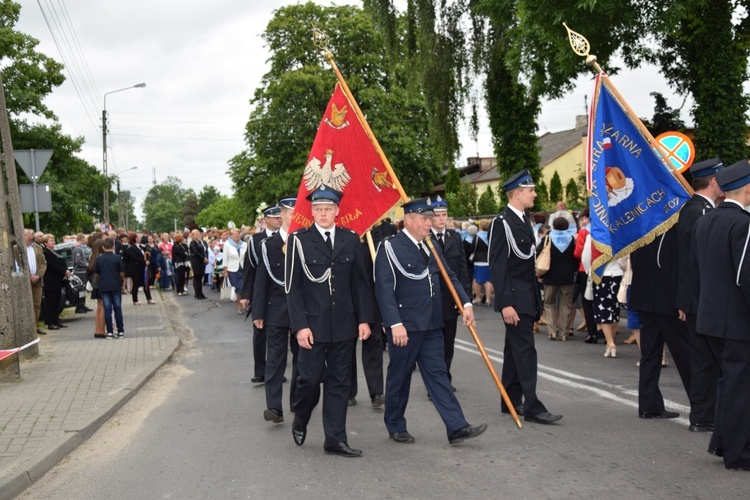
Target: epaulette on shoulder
(390, 237)
(301, 230)
(350, 230)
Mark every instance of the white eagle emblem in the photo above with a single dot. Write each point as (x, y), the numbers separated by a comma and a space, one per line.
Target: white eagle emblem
(334, 176)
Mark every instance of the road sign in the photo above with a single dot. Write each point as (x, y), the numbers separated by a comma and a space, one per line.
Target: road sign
(44, 198)
(33, 161)
(679, 148)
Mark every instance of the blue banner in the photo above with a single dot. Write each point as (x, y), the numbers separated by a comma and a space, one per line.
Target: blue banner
(634, 195)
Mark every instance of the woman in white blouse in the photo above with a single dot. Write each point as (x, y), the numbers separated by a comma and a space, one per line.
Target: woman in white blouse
(233, 257)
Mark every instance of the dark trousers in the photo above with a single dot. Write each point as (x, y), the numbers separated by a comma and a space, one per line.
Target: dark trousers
(52, 300)
(428, 350)
(733, 400)
(259, 351)
(138, 281)
(449, 341)
(704, 377)
(656, 329)
(277, 338)
(331, 361)
(372, 364)
(198, 283)
(587, 305)
(520, 365)
(180, 278)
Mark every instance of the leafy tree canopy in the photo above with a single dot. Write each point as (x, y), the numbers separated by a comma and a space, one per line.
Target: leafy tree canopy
(222, 211)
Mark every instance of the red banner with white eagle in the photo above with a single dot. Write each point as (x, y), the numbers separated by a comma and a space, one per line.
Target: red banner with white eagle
(344, 158)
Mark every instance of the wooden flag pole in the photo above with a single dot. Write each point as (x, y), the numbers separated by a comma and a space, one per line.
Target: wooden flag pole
(475, 336)
(320, 42)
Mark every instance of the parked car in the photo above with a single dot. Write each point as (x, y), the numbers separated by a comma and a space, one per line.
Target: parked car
(74, 291)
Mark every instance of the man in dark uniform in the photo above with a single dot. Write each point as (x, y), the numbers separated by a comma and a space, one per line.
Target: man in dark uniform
(272, 217)
(512, 257)
(704, 371)
(653, 293)
(408, 289)
(454, 255)
(330, 305)
(270, 315)
(720, 256)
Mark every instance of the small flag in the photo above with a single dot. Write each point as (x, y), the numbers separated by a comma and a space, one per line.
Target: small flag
(634, 194)
(343, 157)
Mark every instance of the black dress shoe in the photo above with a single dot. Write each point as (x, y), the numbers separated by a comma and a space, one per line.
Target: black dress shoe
(40, 331)
(351, 402)
(543, 418)
(519, 410)
(343, 450)
(701, 428)
(283, 380)
(717, 452)
(378, 400)
(299, 433)
(658, 414)
(258, 380)
(53, 327)
(401, 437)
(467, 432)
(739, 467)
(273, 415)
(62, 325)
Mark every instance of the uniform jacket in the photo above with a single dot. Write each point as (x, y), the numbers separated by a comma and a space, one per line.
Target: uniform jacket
(514, 278)
(250, 264)
(417, 304)
(455, 258)
(56, 268)
(687, 297)
(41, 265)
(653, 288)
(269, 298)
(334, 313)
(722, 277)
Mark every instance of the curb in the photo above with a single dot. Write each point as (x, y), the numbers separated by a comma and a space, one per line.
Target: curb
(44, 461)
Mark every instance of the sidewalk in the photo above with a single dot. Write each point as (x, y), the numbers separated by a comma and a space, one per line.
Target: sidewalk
(75, 385)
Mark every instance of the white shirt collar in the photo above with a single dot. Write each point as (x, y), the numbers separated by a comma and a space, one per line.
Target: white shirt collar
(735, 202)
(707, 199)
(323, 233)
(416, 243)
(269, 233)
(519, 213)
(445, 230)
(284, 235)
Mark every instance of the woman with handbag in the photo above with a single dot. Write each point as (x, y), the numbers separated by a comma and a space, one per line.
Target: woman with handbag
(561, 265)
(233, 257)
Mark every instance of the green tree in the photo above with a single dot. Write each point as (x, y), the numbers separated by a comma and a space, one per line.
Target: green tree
(665, 119)
(208, 196)
(487, 204)
(288, 105)
(190, 209)
(464, 202)
(452, 180)
(573, 195)
(163, 204)
(542, 195)
(555, 188)
(221, 212)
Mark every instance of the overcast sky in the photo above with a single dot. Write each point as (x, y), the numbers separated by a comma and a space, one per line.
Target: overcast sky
(201, 62)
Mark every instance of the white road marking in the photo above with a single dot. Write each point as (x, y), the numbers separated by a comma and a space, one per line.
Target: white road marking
(612, 392)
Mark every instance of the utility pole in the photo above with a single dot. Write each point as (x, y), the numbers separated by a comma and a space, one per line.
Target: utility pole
(16, 328)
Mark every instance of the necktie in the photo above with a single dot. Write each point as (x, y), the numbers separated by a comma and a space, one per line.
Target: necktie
(423, 252)
(441, 241)
(329, 243)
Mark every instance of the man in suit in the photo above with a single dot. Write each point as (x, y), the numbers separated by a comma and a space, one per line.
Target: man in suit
(330, 305)
(653, 293)
(720, 256)
(512, 256)
(407, 286)
(272, 218)
(704, 371)
(271, 315)
(454, 255)
(37, 267)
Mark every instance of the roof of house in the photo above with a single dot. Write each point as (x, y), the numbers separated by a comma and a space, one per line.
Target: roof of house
(554, 144)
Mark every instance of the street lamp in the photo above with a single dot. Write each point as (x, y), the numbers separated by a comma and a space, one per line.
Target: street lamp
(104, 147)
(119, 200)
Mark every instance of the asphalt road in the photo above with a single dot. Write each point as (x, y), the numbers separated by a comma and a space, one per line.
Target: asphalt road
(197, 431)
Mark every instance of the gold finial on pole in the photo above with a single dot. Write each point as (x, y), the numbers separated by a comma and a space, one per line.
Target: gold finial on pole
(320, 40)
(581, 46)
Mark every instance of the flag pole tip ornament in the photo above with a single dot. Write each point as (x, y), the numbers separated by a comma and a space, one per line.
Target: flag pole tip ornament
(521, 179)
(325, 195)
(272, 211)
(582, 47)
(706, 168)
(439, 204)
(289, 201)
(734, 176)
(421, 206)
